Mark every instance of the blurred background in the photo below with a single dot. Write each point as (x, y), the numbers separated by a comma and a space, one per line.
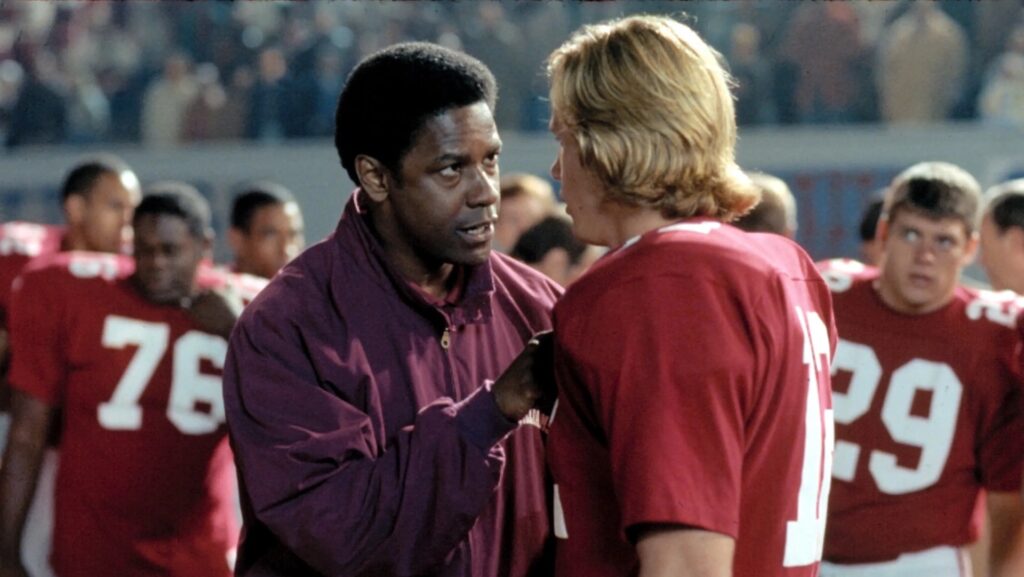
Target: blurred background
(833, 97)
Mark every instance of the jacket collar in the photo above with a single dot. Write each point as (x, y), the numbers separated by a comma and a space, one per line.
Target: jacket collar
(355, 237)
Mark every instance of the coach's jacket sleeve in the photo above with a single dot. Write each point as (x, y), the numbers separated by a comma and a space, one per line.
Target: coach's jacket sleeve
(317, 477)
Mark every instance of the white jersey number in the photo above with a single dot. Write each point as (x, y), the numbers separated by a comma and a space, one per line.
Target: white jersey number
(806, 534)
(188, 385)
(933, 434)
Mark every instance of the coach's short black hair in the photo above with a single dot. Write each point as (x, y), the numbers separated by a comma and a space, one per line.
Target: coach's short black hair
(253, 196)
(81, 178)
(175, 198)
(551, 233)
(392, 93)
(1005, 202)
(936, 190)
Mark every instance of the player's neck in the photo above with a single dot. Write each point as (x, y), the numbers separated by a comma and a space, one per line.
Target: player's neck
(892, 298)
(73, 240)
(629, 222)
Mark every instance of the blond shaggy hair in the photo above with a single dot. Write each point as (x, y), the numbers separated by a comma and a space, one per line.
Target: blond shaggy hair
(648, 102)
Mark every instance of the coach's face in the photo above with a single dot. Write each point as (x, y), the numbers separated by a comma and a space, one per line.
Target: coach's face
(440, 209)
(167, 256)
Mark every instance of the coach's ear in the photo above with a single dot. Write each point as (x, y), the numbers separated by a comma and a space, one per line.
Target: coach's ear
(374, 177)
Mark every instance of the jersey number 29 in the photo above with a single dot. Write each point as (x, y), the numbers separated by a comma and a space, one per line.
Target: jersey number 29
(932, 434)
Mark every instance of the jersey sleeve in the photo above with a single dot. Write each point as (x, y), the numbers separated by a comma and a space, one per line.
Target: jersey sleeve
(20, 242)
(669, 388)
(1001, 445)
(38, 340)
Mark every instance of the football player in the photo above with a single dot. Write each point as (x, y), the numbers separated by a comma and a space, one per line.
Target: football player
(129, 355)
(98, 196)
(693, 430)
(926, 391)
(1002, 236)
(266, 228)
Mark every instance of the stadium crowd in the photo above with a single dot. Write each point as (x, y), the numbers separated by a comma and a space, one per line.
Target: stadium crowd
(725, 405)
(169, 73)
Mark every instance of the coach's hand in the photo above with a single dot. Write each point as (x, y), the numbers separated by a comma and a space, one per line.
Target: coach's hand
(528, 383)
(215, 311)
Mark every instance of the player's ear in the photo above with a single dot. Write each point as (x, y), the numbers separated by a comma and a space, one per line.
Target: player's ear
(971, 248)
(882, 231)
(373, 177)
(236, 239)
(74, 209)
(207, 245)
(1015, 236)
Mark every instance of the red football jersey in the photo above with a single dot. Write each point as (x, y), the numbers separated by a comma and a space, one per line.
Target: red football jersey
(692, 368)
(20, 242)
(927, 414)
(146, 480)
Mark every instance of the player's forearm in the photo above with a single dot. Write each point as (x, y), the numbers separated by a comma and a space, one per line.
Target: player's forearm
(1006, 515)
(5, 390)
(19, 472)
(683, 552)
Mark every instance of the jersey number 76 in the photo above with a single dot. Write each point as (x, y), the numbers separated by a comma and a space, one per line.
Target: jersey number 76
(188, 385)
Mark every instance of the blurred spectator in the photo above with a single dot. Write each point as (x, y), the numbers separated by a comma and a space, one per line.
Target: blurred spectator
(551, 248)
(495, 39)
(921, 63)
(25, 22)
(1002, 99)
(125, 91)
(752, 73)
(39, 114)
(1014, 47)
(793, 62)
(823, 45)
(97, 42)
(239, 93)
(525, 200)
(1001, 84)
(208, 116)
(995, 23)
(874, 17)
(11, 77)
(328, 78)
(267, 99)
(165, 103)
(308, 104)
(775, 212)
(88, 110)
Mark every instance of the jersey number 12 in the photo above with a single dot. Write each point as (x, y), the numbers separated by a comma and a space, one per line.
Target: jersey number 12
(806, 534)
